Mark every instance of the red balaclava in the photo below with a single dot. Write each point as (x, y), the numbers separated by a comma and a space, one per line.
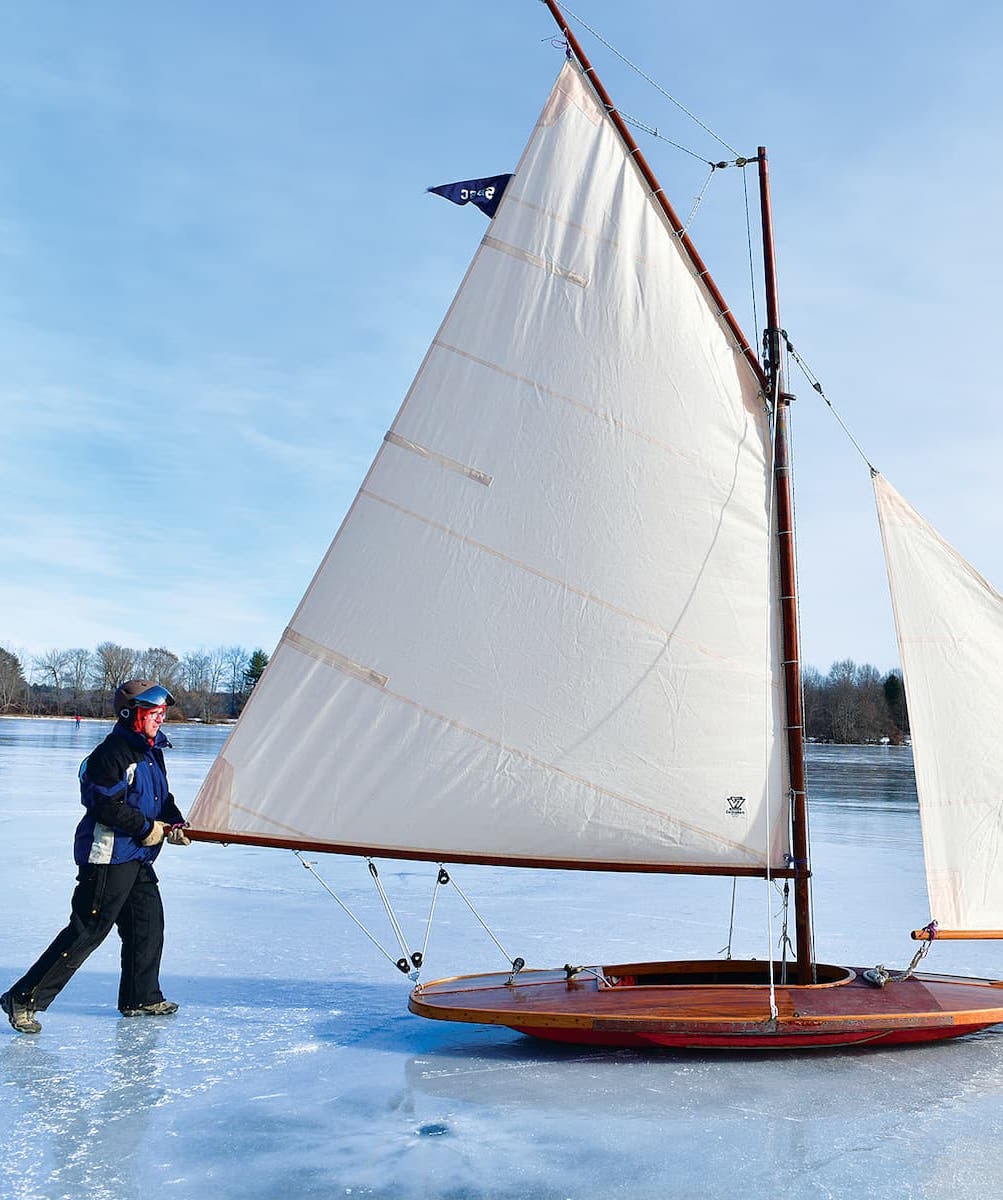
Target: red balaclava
(137, 723)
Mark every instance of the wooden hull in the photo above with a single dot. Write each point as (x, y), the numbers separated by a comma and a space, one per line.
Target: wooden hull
(715, 1005)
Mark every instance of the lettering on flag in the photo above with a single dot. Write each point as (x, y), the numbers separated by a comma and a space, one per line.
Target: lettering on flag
(485, 193)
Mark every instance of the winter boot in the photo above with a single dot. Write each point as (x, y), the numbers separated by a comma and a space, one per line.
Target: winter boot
(21, 1016)
(159, 1008)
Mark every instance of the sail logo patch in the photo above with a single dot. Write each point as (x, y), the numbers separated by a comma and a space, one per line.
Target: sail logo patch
(736, 806)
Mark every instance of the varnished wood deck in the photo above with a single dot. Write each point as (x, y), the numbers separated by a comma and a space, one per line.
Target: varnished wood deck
(843, 1011)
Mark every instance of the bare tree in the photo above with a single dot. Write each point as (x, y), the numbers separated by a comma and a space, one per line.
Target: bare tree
(114, 666)
(813, 694)
(79, 671)
(843, 700)
(203, 673)
(160, 665)
(53, 666)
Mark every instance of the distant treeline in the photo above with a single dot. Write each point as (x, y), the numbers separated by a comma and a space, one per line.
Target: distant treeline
(208, 685)
(854, 704)
(850, 704)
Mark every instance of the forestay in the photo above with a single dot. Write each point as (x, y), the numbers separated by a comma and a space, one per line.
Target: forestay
(546, 630)
(949, 622)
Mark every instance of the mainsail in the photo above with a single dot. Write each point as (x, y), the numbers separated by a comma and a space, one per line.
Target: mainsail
(949, 623)
(546, 631)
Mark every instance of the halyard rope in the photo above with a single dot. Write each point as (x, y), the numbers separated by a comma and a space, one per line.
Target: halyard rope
(768, 706)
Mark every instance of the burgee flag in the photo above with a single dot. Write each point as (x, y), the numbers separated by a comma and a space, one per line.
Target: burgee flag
(485, 193)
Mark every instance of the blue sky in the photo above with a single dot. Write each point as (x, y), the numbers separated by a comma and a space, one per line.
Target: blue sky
(221, 270)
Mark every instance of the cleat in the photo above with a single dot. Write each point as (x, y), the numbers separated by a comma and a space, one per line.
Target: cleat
(21, 1016)
(159, 1008)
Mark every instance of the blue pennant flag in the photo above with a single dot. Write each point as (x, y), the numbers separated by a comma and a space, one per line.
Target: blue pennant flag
(485, 193)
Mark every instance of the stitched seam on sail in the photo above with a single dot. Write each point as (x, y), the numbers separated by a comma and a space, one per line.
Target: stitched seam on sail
(555, 580)
(333, 659)
(451, 464)
(605, 417)
(712, 837)
(584, 230)
(536, 260)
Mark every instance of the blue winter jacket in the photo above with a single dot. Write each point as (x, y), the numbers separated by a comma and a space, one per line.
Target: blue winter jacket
(123, 787)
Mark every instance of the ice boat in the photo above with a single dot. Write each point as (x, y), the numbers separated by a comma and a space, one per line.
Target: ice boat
(558, 627)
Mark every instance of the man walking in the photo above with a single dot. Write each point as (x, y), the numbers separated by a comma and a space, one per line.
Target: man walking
(129, 813)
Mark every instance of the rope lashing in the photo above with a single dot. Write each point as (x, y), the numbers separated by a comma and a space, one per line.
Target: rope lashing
(880, 975)
(796, 863)
(559, 43)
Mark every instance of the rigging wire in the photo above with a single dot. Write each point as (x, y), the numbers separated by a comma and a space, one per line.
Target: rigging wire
(752, 260)
(647, 78)
(409, 963)
(348, 912)
(440, 881)
(697, 202)
(817, 386)
(517, 964)
(652, 131)
(408, 958)
(791, 459)
(726, 951)
(738, 161)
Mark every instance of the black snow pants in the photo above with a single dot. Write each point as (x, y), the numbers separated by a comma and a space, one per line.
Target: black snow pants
(125, 895)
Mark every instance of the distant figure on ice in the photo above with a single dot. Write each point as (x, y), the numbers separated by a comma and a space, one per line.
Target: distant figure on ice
(77, 719)
(129, 813)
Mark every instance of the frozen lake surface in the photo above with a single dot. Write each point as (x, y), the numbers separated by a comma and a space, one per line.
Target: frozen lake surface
(294, 1069)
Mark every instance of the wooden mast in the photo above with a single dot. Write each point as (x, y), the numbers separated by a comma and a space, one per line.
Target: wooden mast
(780, 401)
(772, 383)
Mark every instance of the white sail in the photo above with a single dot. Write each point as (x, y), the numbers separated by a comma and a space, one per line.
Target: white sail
(545, 631)
(949, 623)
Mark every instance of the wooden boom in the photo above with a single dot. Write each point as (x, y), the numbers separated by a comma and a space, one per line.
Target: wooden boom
(955, 935)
